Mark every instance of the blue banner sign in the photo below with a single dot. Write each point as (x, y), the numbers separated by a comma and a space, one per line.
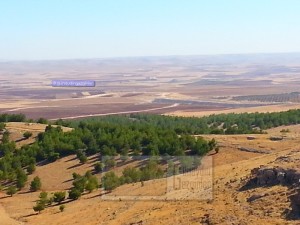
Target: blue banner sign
(73, 83)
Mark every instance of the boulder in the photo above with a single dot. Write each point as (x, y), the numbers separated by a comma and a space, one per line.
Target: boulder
(266, 176)
(276, 175)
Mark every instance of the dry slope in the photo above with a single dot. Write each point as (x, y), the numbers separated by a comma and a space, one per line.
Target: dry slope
(231, 204)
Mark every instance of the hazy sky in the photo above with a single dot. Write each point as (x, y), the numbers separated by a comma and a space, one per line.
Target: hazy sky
(56, 29)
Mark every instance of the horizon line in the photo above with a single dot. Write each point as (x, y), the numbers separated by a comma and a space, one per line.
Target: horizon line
(150, 56)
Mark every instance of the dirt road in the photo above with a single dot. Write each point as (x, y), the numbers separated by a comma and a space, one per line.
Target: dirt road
(117, 113)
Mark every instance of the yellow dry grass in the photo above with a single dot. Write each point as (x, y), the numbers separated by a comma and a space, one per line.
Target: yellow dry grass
(228, 206)
(261, 109)
(17, 129)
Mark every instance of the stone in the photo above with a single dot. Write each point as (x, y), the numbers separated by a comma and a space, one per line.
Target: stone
(255, 197)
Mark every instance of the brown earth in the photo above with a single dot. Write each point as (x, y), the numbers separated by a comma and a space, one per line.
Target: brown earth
(229, 205)
(261, 109)
(135, 84)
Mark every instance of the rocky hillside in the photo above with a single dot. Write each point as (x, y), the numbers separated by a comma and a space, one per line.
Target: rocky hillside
(248, 188)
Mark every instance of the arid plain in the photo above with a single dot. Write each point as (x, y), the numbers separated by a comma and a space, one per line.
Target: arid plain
(178, 86)
(187, 86)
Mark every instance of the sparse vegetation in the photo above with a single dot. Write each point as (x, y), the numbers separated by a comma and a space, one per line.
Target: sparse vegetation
(36, 184)
(21, 178)
(82, 157)
(99, 166)
(87, 182)
(43, 202)
(151, 170)
(75, 194)
(42, 121)
(111, 136)
(11, 190)
(62, 208)
(39, 207)
(110, 181)
(2, 126)
(27, 134)
(59, 196)
(31, 168)
(285, 131)
(284, 97)
(127, 136)
(4, 118)
(5, 137)
(92, 141)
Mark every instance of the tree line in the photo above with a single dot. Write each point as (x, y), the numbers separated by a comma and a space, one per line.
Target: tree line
(232, 123)
(135, 134)
(94, 137)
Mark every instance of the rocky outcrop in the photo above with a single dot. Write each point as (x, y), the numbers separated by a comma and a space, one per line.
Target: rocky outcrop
(272, 176)
(269, 176)
(275, 138)
(244, 149)
(287, 159)
(255, 197)
(295, 206)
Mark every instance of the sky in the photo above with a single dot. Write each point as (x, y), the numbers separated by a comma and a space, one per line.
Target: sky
(70, 29)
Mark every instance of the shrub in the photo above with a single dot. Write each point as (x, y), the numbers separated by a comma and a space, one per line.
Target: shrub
(110, 162)
(31, 168)
(110, 181)
(42, 121)
(27, 134)
(131, 175)
(36, 184)
(21, 178)
(83, 158)
(39, 207)
(59, 196)
(11, 191)
(5, 137)
(98, 167)
(285, 131)
(80, 183)
(44, 198)
(92, 184)
(62, 208)
(74, 194)
(151, 171)
(2, 126)
(53, 156)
